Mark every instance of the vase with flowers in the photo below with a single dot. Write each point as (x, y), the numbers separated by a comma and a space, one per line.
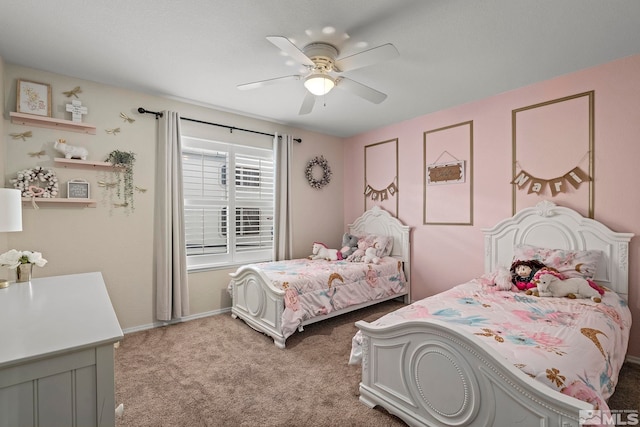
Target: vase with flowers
(22, 262)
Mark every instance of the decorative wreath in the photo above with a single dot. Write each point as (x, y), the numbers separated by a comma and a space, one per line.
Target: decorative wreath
(326, 172)
(37, 182)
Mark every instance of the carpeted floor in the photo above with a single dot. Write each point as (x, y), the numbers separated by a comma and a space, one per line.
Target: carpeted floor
(217, 371)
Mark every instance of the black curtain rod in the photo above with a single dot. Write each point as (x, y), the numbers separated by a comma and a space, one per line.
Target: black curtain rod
(231, 128)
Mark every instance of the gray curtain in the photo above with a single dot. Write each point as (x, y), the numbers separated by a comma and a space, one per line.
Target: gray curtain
(172, 291)
(283, 236)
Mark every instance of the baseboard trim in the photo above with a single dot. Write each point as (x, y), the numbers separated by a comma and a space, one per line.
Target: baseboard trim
(159, 324)
(633, 359)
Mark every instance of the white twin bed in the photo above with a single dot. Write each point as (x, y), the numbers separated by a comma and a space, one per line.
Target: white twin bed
(277, 298)
(479, 356)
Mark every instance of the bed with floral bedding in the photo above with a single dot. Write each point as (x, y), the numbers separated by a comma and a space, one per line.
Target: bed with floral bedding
(280, 297)
(483, 353)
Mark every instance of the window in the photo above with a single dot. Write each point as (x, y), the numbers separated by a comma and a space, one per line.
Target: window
(227, 221)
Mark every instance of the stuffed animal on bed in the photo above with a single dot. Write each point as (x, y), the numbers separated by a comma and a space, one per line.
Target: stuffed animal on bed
(522, 272)
(349, 244)
(358, 254)
(371, 255)
(550, 285)
(321, 251)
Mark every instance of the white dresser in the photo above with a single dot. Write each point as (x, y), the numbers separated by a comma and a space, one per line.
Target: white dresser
(56, 352)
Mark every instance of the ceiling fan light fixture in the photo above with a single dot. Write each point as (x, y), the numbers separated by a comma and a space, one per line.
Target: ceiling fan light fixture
(319, 84)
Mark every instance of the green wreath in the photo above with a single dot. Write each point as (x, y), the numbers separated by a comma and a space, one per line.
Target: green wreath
(326, 172)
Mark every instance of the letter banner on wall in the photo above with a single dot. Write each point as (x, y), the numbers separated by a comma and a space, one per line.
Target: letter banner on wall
(380, 195)
(575, 177)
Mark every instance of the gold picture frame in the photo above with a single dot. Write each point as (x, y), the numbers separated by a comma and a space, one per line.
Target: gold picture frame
(566, 123)
(382, 181)
(450, 201)
(33, 98)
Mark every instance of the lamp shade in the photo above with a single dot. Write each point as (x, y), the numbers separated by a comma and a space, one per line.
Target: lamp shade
(10, 210)
(319, 84)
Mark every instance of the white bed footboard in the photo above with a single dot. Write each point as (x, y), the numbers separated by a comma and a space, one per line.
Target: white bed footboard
(428, 374)
(258, 302)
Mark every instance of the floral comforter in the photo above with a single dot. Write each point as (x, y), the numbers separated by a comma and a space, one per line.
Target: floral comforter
(317, 287)
(574, 346)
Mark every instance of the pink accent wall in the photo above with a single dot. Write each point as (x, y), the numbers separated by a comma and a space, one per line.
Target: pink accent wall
(444, 255)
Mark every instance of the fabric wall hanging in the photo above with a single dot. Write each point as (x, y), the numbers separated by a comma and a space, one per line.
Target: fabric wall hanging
(560, 184)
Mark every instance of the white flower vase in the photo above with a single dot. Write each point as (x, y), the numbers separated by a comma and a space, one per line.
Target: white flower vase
(23, 272)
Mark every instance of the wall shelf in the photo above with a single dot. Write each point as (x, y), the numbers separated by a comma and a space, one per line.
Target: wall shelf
(89, 203)
(82, 164)
(51, 123)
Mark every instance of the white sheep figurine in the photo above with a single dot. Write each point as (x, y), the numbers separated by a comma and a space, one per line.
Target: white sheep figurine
(551, 286)
(70, 151)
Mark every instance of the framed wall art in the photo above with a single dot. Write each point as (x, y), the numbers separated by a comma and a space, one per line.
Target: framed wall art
(381, 176)
(553, 153)
(33, 98)
(448, 175)
(77, 189)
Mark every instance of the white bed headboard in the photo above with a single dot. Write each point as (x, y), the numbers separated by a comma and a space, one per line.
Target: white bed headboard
(381, 222)
(550, 226)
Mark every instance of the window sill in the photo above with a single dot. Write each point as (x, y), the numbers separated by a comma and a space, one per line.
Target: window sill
(215, 267)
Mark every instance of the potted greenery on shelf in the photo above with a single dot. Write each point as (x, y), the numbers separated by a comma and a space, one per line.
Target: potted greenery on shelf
(123, 162)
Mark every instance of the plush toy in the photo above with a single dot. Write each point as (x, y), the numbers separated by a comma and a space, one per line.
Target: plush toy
(522, 273)
(371, 256)
(321, 251)
(349, 245)
(500, 278)
(359, 253)
(550, 285)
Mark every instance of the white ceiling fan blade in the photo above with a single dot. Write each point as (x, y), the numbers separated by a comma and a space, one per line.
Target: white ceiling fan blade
(307, 104)
(367, 57)
(285, 45)
(268, 82)
(361, 90)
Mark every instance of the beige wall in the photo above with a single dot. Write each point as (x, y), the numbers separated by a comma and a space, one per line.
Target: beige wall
(75, 239)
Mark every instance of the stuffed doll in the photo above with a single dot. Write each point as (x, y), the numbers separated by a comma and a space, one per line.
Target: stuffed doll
(549, 285)
(522, 273)
(358, 254)
(349, 245)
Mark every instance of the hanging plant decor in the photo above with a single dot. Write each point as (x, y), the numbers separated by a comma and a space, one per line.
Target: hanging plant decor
(123, 162)
(322, 163)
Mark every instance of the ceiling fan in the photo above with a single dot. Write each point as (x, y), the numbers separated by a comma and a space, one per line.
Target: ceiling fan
(322, 64)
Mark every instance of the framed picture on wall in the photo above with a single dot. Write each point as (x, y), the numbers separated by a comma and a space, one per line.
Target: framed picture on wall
(553, 143)
(381, 176)
(77, 189)
(34, 98)
(448, 185)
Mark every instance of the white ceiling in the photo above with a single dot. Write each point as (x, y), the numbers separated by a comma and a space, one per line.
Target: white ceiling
(451, 51)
